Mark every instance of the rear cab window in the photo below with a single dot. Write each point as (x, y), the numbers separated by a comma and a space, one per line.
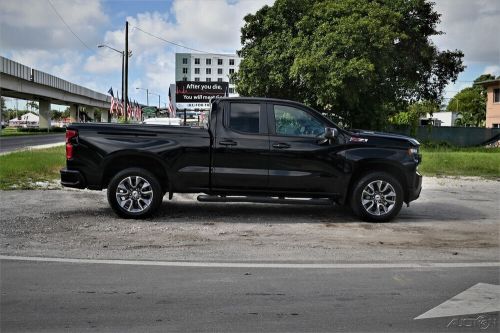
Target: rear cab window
(247, 118)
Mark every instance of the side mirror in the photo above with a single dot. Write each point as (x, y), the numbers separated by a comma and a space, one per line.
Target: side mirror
(330, 133)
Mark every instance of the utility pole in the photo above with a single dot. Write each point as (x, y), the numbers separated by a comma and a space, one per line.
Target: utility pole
(123, 71)
(125, 97)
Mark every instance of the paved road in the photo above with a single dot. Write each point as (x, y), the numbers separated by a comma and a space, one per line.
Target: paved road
(57, 297)
(18, 142)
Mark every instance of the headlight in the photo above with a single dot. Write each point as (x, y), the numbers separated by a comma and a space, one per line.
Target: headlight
(413, 152)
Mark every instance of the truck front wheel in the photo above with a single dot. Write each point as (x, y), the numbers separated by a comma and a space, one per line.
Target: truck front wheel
(134, 193)
(377, 197)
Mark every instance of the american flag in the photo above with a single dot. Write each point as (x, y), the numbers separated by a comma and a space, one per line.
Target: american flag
(171, 108)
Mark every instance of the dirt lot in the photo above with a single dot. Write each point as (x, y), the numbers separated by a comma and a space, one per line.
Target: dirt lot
(455, 219)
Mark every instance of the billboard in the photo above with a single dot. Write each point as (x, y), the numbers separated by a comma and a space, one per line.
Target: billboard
(199, 92)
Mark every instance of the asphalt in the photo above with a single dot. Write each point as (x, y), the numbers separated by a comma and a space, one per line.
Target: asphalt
(12, 143)
(72, 297)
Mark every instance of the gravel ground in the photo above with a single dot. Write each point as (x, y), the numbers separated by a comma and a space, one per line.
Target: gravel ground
(454, 220)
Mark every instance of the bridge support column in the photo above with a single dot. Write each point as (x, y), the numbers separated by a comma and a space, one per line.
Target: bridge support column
(90, 113)
(44, 114)
(104, 116)
(73, 113)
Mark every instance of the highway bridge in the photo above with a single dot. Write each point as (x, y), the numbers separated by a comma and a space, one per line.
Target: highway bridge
(20, 81)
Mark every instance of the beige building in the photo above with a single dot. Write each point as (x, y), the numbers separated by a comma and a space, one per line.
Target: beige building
(492, 103)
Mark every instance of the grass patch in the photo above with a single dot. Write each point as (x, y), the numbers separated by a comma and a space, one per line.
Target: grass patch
(482, 162)
(22, 169)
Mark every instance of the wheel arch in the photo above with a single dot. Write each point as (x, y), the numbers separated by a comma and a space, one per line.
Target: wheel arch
(369, 166)
(134, 159)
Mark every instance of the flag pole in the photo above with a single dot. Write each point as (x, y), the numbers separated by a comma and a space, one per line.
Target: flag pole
(125, 91)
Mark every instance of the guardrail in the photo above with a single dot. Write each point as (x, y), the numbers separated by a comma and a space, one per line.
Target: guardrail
(16, 69)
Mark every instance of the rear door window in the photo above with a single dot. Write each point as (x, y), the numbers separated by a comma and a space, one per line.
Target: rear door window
(245, 117)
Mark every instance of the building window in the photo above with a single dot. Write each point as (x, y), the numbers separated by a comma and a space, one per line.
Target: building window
(196, 61)
(231, 62)
(219, 71)
(231, 81)
(197, 71)
(184, 61)
(208, 70)
(219, 62)
(495, 125)
(231, 90)
(208, 61)
(209, 79)
(231, 70)
(496, 95)
(197, 79)
(184, 78)
(184, 70)
(219, 79)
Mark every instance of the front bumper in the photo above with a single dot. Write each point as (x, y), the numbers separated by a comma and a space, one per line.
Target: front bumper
(72, 178)
(415, 187)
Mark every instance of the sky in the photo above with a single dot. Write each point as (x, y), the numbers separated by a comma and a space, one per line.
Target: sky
(32, 33)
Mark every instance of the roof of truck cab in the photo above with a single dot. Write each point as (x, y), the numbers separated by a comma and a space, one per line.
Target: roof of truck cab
(265, 99)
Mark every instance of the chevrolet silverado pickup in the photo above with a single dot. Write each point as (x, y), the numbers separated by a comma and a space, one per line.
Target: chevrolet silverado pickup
(251, 150)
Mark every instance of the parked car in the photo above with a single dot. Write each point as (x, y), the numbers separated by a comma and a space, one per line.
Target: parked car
(254, 150)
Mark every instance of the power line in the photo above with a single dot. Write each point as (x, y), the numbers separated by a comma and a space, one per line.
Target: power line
(67, 26)
(180, 45)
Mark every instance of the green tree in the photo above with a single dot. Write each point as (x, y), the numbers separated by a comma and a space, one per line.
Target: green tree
(411, 117)
(484, 77)
(362, 60)
(470, 103)
(32, 105)
(57, 115)
(2, 104)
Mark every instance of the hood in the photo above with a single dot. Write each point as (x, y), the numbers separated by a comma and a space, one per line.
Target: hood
(381, 138)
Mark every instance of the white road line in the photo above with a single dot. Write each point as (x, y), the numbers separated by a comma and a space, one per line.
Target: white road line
(250, 264)
(480, 298)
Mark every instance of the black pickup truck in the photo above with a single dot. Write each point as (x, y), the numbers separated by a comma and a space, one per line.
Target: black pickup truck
(253, 150)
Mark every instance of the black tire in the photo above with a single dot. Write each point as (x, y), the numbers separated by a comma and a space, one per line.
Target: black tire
(380, 200)
(136, 202)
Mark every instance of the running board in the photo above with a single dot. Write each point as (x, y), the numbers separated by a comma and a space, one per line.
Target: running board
(257, 199)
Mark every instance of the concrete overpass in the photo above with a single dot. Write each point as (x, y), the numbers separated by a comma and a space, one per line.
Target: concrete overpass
(20, 81)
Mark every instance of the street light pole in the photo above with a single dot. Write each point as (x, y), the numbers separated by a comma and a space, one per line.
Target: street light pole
(125, 102)
(147, 94)
(123, 64)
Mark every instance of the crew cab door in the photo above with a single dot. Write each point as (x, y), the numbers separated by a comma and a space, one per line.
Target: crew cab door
(300, 159)
(241, 148)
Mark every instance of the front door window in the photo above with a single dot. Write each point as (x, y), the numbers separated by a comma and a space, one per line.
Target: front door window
(291, 121)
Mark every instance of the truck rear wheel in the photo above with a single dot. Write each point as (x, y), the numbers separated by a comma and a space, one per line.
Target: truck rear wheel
(134, 193)
(377, 197)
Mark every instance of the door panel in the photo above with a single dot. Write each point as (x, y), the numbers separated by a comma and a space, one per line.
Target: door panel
(300, 161)
(241, 155)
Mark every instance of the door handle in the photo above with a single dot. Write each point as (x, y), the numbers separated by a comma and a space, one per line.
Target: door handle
(281, 145)
(228, 143)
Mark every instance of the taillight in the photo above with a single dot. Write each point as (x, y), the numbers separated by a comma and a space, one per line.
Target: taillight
(70, 134)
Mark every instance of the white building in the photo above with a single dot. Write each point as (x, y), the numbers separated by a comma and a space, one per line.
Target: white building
(447, 118)
(207, 67)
